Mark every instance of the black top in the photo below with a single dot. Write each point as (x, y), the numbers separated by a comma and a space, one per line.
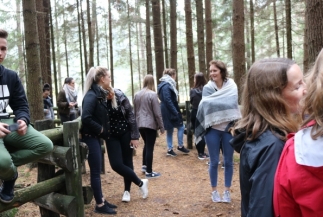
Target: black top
(118, 124)
(195, 97)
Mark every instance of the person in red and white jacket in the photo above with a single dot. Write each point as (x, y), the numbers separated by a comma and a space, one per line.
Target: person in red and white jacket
(298, 184)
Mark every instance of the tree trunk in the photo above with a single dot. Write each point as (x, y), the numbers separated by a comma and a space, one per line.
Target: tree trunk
(58, 59)
(200, 36)
(252, 32)
(248, 47)
(111, 45)
(106, 43)
(208, 34)
(276, 29)
(21, 72)
(159, 57)
(65, 42)
(314, 28)
(42, 40)
(165, 33)
(148, 40)
(238, 46)
(80, 42)
(84, 40)
(46, 4)
(173, 35)
(189, 42)
(138, 52)
(130, 50)
(289, 29)
(90, 30)
(53, 52)
(33, 60)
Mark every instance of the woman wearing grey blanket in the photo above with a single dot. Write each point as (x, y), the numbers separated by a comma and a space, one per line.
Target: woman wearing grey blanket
(218, 107)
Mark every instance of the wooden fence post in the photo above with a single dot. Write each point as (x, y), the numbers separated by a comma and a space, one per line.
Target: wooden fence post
(45, 171)
(74, 178)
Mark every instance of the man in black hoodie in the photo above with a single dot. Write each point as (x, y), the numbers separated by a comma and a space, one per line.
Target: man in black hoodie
(20, 143)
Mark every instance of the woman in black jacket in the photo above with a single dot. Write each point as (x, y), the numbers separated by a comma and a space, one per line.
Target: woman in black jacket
(107, 114)
(195, 98)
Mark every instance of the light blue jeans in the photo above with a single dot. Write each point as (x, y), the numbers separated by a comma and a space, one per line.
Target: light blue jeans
(213, 138)
(180, 135)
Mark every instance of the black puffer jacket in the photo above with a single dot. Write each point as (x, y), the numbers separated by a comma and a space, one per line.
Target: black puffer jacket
(128, 113)
(95, 114)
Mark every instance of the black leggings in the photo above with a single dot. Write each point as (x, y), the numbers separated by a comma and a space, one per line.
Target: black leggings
(149, 137)
(120, 157)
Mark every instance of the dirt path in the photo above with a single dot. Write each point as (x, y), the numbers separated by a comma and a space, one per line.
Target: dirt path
(182, 190)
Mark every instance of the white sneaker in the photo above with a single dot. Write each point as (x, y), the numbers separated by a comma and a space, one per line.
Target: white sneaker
(126, 196)
(226, 197)
(216, 197)
(144, 188)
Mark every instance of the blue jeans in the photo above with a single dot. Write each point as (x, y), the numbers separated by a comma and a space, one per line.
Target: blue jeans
(180, 135)
(213, 139)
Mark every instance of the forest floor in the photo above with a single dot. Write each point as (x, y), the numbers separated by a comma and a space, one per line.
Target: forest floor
(182, 190)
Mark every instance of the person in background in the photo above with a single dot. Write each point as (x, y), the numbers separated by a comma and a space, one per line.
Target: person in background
(298, 185)
(95, 125)
(216, 111)
(272, 91)
(48, 103)
(67, 101)
(21, 143)
(195, 98)
(149, 120)
(172, 117)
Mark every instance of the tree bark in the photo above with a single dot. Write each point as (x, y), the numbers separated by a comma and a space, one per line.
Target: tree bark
(289, 29)
(46, 4)
(90, 30)
(148, 40)
(189, 42)
(165, 34)
(65, 42)
(252, 32)
(276, 29)
(34, 93)
(159, 57)
(21, 71)
(130, 51)
(208, 34)
(42, 39)
(200, 36)
(238, 46)
(111, 45)
(84, 40)
(173, 35)
(80, 41)
(314, 28)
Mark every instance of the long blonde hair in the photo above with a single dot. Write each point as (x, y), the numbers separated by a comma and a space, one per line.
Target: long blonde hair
(313, 101)
(262, 102)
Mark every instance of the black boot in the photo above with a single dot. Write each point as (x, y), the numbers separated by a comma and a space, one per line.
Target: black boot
(7, 193)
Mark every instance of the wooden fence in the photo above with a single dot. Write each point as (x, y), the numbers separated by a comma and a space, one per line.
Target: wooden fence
(58, 192)
(186, 114)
